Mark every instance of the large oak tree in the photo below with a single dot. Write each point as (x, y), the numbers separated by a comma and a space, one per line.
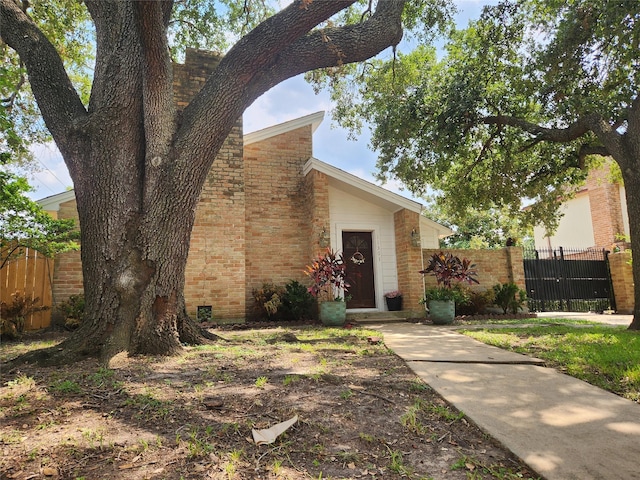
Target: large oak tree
(523, 103)
(138, 167)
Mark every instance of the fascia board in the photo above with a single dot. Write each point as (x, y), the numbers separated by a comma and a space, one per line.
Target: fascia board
(314, 119)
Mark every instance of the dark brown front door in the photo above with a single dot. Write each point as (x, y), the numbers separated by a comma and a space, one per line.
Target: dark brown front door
(358, 255)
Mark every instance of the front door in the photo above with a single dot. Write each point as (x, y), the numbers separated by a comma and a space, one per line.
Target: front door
(358, 256)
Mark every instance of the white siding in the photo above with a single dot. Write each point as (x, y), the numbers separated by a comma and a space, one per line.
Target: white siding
(625, 212)
(348, 212)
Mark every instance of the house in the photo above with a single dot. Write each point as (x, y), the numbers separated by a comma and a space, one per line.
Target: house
(268, 207)
(595, 218)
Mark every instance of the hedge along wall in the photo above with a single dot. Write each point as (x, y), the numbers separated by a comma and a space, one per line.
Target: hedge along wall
(622, 280)
(502, 265)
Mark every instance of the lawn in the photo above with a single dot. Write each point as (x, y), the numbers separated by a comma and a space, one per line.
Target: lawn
(362, 413)
(605, 356)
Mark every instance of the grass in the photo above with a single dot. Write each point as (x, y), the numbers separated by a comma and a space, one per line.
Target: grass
(526, 321)
(345, 387)
(604, 356)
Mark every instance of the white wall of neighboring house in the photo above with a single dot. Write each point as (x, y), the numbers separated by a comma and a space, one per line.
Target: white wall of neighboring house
(625, 212)
(575, 229)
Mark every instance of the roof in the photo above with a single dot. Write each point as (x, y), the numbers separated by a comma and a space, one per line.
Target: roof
(314, 119)
(52, 203)
(372, 193)
(354, 185)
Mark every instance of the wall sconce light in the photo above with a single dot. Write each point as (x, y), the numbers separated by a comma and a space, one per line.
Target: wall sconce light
(415, 238)
(324, 240)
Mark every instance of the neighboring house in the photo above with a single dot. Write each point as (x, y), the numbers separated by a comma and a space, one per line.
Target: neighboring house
(268, 208)
(594, 219)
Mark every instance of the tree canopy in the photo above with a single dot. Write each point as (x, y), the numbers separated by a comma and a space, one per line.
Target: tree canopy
(520, 99)
(523, 102)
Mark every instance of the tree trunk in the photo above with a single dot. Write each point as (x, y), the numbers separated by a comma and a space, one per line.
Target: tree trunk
(632, 191)
(138, 165)
(135, 243)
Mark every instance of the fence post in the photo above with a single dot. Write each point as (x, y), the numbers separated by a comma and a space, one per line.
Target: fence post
(612, 292)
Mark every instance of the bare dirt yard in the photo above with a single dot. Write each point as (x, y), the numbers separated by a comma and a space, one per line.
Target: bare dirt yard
(362, 414)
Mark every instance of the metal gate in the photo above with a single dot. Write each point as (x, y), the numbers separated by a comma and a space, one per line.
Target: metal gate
(568, 280)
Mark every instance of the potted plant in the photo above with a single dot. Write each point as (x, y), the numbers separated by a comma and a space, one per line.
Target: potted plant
(394, 300)
(328, 273)
(450, 272)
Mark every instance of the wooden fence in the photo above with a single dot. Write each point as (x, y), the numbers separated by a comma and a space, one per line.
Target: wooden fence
(30, 274)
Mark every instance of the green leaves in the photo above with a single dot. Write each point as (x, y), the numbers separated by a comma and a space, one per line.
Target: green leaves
(500, 121)
(23, 224)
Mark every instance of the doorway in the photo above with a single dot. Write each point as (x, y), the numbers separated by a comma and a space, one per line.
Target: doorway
(358, 256)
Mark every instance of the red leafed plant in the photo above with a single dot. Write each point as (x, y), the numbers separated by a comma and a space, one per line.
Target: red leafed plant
(329, 275)
(448, 268)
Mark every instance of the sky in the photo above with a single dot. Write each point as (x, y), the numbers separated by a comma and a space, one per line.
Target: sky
(291, 99)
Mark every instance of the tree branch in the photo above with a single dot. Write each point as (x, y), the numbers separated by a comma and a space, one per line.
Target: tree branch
(157, 91)
(586, 150)
(280, 48)
(557, 135)
(59, 103)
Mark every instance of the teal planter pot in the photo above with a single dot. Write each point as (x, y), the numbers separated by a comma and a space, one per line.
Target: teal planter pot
(333, 314)
(442, 312)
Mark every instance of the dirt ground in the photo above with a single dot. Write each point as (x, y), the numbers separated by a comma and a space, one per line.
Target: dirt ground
(362, 414)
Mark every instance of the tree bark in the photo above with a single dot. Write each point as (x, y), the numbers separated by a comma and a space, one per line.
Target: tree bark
(138, 168)
(630, 168)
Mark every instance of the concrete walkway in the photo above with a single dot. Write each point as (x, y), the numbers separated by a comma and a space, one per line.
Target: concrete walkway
(609, 319)
(562, 427)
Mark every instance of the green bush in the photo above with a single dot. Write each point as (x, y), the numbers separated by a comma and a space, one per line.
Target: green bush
(298, 303)
(509, 297)
(291, 302)
(476, 303)
(12, 315)
(70, 313)
(267, 300)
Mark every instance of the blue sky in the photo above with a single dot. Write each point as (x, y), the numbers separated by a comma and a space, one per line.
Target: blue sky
(289, 100)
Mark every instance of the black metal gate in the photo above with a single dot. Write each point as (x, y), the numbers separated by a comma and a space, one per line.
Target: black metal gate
(568, 280)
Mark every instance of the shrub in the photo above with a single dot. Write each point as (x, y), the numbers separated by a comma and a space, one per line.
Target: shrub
(12, 315)
(69, 314)
(267, 300)
(297, 303)
(450, 272)
(509, 297)
(475, 303)
(329, 275)
(291, 302)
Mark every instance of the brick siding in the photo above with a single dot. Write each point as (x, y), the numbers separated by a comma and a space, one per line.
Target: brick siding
(408, 259)
(622, 280)
(67, 270)
(494, 266)
(606, 208)
(276, 222)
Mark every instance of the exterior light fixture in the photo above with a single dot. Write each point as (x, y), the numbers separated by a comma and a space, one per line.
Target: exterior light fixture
(415, 238)
(324, 239)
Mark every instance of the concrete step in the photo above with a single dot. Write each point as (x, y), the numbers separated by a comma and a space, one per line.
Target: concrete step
(380, 317)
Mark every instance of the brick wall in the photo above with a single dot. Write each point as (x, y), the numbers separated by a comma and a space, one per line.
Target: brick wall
(408, 261)
(277, 212)
(622, 280)
(317, 210)
(606, 208)
(494, 266)
(67, 271)
(215, 271)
